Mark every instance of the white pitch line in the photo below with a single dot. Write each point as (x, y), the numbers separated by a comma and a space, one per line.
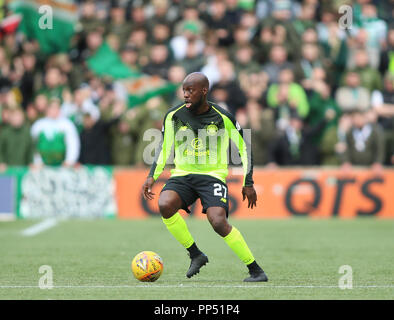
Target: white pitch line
(39, 227)
(193, 286)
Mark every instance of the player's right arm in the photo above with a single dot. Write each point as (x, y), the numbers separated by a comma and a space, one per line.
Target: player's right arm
(162, 153)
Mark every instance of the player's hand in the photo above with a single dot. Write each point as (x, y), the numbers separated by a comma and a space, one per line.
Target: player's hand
(250, 193)
(147, 188)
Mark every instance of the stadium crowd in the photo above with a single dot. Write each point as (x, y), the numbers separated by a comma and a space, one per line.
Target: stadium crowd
(312, 92)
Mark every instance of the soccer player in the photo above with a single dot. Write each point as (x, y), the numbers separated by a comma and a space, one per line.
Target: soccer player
(200, 130)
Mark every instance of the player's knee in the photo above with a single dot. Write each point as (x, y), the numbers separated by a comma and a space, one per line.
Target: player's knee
(220, 225)
(166, 207)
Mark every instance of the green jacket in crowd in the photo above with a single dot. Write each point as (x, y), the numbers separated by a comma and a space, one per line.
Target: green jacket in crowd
(262, 137)
(370, 78)
(123, 143)
(328, 154)
(148, 119)
(16, 146)
(318, 107)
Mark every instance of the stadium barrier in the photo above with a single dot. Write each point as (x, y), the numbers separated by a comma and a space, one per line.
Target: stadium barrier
(96, 192)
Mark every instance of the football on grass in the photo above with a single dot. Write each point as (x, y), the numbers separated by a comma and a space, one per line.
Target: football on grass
(147, 266)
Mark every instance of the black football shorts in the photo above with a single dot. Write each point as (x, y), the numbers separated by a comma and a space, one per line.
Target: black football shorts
(211, 191)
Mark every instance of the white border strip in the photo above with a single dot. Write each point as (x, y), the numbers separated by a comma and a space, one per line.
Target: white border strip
(262, 286)
(40, 227)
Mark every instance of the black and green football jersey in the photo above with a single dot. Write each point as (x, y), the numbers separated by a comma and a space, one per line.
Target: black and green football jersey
(201, 143)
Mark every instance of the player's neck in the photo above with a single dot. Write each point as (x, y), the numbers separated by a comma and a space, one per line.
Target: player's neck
(203, 108)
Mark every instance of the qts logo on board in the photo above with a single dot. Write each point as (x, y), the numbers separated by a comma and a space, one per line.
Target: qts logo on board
(281, 194)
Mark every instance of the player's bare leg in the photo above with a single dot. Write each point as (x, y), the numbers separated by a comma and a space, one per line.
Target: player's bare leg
(169, 204)
(218, 220)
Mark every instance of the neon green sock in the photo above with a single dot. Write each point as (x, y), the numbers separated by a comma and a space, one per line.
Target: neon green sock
(237, 243)
(178, 228)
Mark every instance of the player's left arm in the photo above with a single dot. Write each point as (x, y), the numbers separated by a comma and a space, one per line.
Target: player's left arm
(236, 134)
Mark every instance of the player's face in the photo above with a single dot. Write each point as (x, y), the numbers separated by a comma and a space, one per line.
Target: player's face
(193, 95)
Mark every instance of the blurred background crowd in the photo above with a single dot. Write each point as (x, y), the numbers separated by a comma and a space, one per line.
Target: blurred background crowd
(312, 92)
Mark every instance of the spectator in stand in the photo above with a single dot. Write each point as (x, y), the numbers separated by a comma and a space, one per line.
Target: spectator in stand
(159, 61)
(162, 13)
(244, 61)
(191, 33)
(8, 97)
(294, 146)
(93, 41)
(137, 17)
(352, 95)
(334, 45)
(96, 129)
(266, 8)
(53, 84)
(27, 82)
(263, 44)
(261, 122)
(227, 90)
(250, 22)
(365, 142)
(56, 138)
(123, 140)
(5, 64)
(269, 37)
(383, 104)
(320, 101)
(233, 12)
(218, 20)
(306, 19)
(89, 19)
(193, 60)
(254, 85)
(113, 42)
(370, 78)
(285, 96)
(176, 75)
(161, 34)
(190, 16)
(282, 16)
(117, 22)
(211, 68)
(129, 56)
(304, 68)
(375, 30)
(139, 40)
(38, 109)
(75, 106)
(387, 54)
(73, 76)
(16, 144)
(278, 62)
(242, 38)
(150, 116)
(333, 145)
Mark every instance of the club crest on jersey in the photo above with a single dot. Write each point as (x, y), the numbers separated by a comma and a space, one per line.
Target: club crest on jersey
(212, 129)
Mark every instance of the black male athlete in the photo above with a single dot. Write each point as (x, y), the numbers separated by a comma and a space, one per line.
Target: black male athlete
(199, 131)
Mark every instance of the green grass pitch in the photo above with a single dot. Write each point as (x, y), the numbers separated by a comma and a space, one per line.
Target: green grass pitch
(302, 257)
